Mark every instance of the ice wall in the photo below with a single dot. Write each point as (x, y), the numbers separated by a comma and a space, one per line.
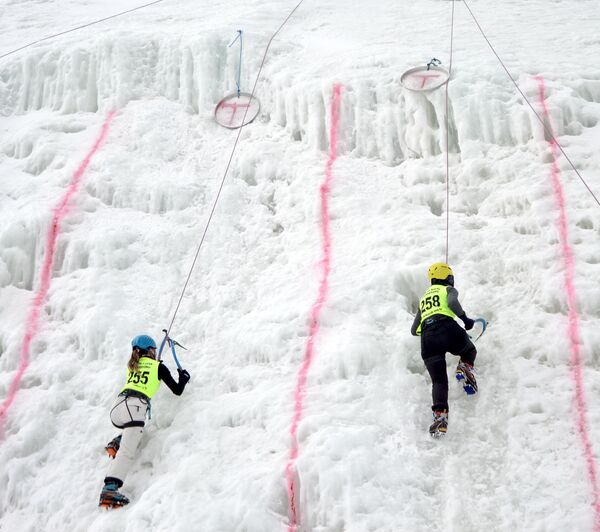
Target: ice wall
(383, 120)
(366, 461)
(111, 71)
(380, 120)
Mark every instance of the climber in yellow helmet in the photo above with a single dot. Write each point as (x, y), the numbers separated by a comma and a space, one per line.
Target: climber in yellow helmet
(441, 334)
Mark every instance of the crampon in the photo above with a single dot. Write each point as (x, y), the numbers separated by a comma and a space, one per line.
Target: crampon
(440, 424)
(112, 448)
(465, 375)
(111, 498)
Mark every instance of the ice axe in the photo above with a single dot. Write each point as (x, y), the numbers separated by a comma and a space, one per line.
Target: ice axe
(484, 325)
(172, 343)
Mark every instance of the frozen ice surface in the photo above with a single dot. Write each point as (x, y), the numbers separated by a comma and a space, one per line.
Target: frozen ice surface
(213, 460)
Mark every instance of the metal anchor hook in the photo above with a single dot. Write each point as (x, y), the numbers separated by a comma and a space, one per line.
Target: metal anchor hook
(238, 36)
(434, 62)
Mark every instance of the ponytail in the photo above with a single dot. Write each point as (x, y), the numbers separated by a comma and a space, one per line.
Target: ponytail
(132, 365)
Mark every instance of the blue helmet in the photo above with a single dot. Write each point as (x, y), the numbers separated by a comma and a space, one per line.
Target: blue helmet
(143, 341)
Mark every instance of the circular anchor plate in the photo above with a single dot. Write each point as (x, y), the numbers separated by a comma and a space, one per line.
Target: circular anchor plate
(232, 109)
(420, 79)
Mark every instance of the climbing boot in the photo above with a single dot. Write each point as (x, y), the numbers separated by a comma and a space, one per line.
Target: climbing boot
(465, 375)
(111, 498)
(440, 424)
(113, 446)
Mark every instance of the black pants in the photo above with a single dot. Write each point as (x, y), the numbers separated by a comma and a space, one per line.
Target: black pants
(441, 337)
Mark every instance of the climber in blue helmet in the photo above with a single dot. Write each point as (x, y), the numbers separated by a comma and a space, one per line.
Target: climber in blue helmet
(144, 374)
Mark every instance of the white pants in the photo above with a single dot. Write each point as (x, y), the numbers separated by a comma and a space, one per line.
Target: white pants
(129, 414)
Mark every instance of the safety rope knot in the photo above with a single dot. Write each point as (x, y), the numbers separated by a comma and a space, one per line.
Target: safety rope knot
(434, 62)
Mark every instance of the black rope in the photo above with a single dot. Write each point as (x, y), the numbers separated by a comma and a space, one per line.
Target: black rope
(78, 28)
(448, 140)
(547, 130)
(214, 206)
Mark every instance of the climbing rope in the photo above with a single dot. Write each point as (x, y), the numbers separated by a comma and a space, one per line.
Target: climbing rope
(237, 138)
(238, 81)
(448, 139)
(547, 130)
(291, 13)
(78, 28)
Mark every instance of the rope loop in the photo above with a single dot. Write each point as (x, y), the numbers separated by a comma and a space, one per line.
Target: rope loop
(239, 74)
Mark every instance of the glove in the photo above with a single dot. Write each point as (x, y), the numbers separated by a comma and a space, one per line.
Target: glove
(467, 321)
(184, 376)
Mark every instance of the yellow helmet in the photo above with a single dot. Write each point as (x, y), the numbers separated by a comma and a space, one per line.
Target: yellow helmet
(440, 271)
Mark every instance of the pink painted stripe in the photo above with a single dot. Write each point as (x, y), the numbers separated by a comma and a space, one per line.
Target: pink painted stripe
(315, 313)
(33, 318)
(573, 325)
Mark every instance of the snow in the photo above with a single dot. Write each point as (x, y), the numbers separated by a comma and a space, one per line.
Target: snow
(214, 460)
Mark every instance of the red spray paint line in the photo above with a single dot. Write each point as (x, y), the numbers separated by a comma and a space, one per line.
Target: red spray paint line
(315, 314)
(32, 324)
(573, 326)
